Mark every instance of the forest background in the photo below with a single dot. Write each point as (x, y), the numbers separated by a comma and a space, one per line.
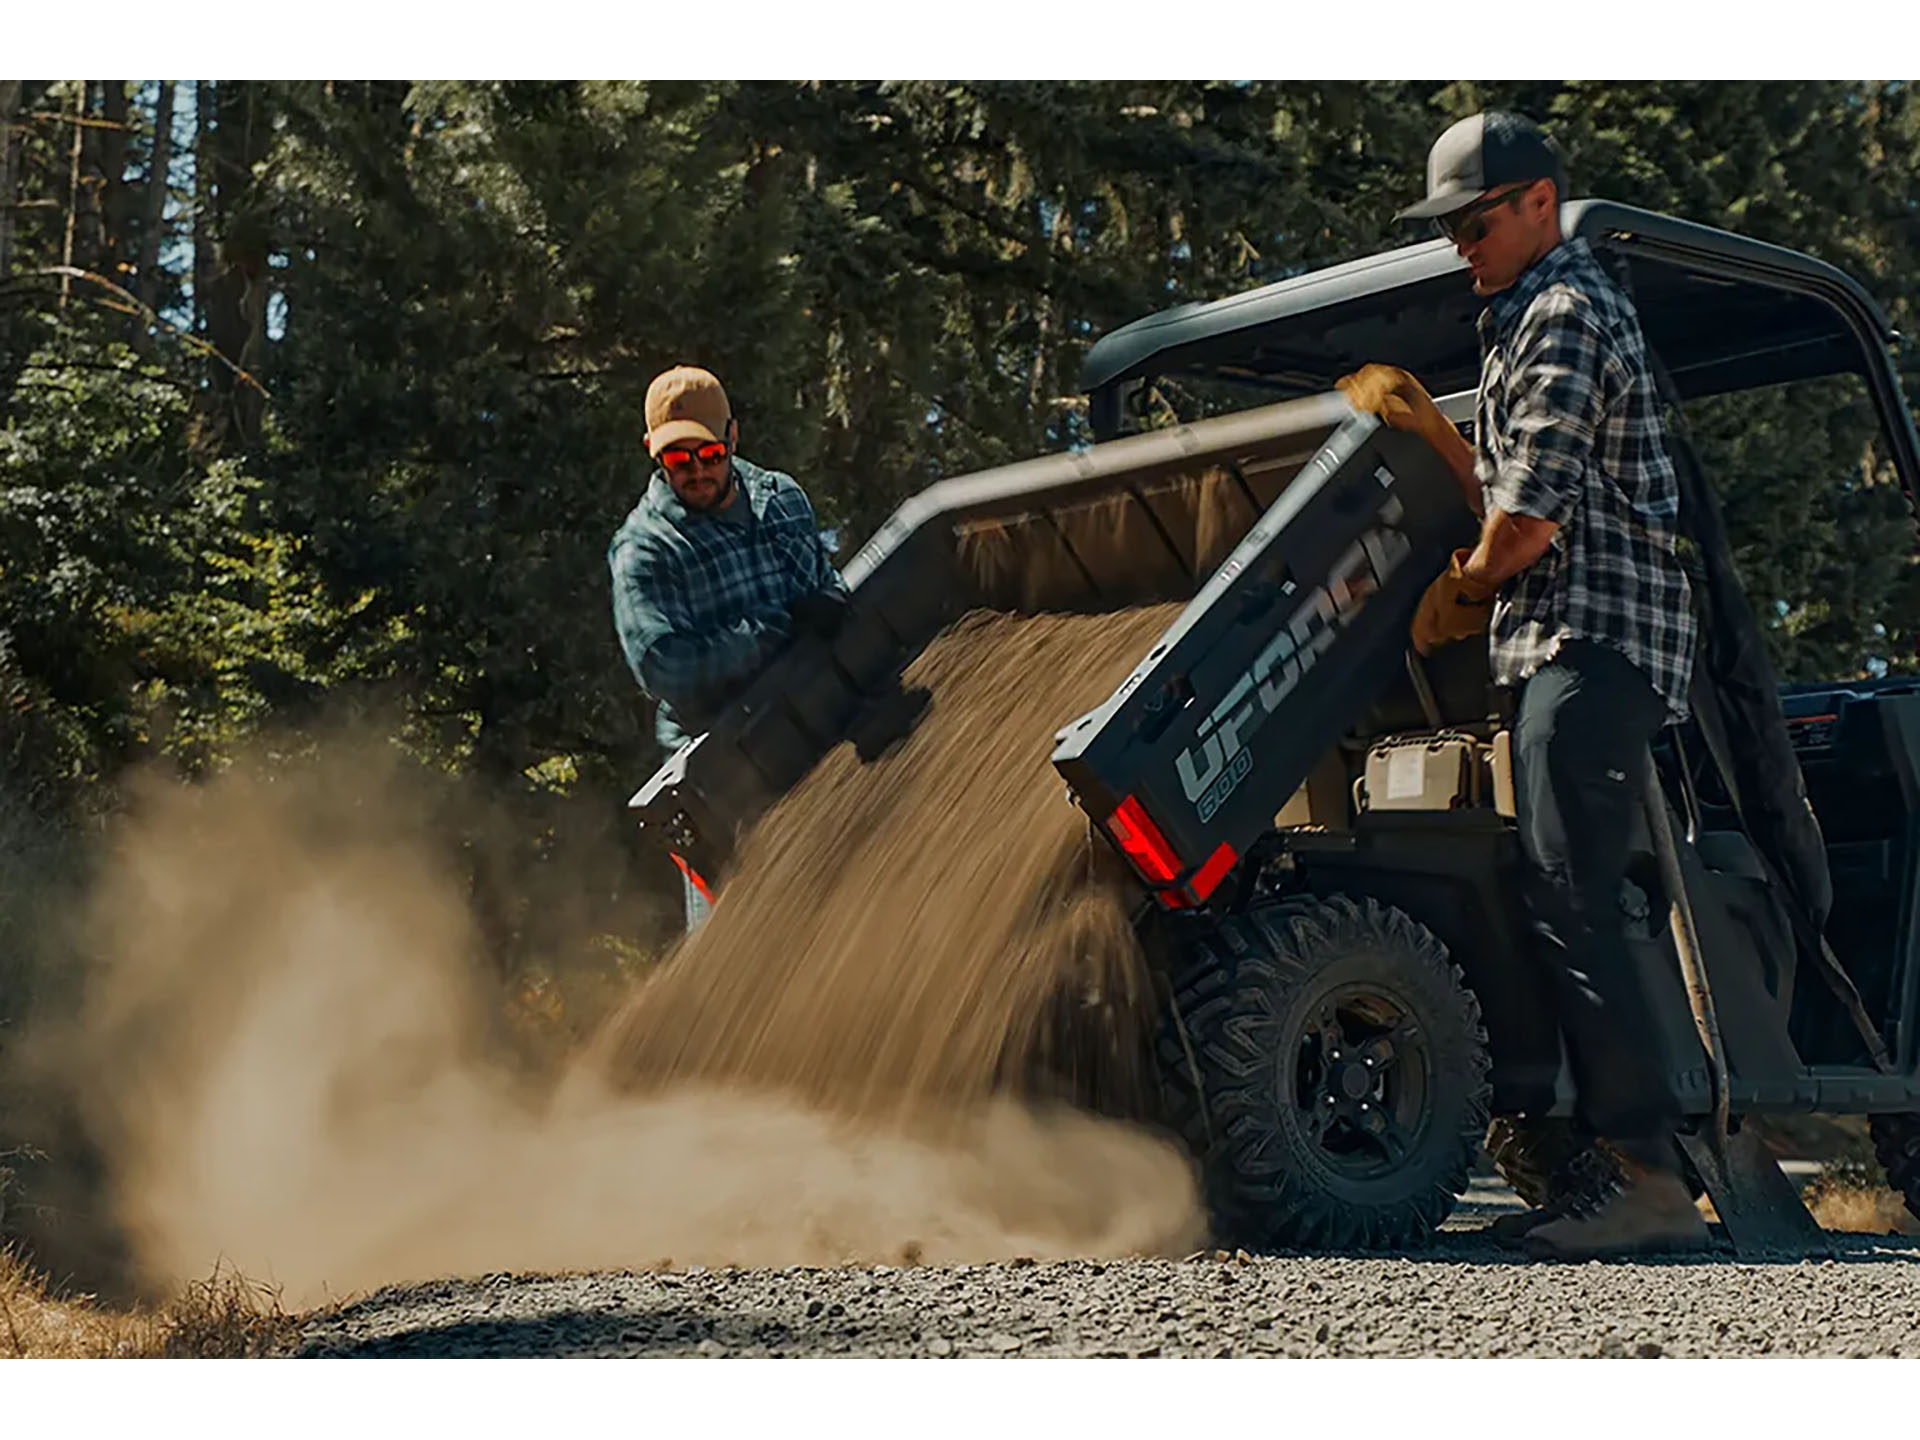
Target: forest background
(319, 401)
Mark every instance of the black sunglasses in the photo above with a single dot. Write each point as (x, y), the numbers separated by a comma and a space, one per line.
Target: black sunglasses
(1468, 225)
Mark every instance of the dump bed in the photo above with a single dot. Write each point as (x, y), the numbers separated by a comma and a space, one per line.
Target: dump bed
(1135, 521)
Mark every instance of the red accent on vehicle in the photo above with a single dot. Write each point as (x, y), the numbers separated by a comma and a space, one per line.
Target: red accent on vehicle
(1208, 877)
(1173, 900)
(693, 875)
(1140, 839)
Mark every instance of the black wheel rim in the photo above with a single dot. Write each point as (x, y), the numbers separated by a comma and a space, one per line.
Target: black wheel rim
(1361, 1080)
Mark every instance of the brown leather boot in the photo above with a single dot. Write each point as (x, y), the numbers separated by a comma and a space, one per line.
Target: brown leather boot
(1510, 1230)
(1651, 1214)
(1576, 1185)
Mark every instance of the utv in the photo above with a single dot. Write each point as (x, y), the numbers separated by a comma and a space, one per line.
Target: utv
(1322, 825)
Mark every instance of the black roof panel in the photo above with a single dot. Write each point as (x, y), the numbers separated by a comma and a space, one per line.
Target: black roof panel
(1723, 311)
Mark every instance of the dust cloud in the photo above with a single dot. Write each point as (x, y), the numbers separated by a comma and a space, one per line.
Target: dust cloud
(291, 1059)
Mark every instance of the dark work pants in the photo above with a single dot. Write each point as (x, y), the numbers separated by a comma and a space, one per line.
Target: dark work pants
(1580, 758)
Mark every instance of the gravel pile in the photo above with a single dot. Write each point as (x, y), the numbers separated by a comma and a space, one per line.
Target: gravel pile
(1462, 1298)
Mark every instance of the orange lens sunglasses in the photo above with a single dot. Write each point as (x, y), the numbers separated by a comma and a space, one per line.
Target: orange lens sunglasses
(707, 453)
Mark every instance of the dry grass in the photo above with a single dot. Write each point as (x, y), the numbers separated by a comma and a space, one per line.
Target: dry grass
(1850, 1193)
(1850, 1196)
(225, 1316)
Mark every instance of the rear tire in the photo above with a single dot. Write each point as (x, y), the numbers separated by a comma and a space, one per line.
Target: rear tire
(1327, 1064)
(1896, 1141)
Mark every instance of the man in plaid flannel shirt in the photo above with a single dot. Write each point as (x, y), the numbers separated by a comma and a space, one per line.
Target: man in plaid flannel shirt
(1589, 615)
(716, 568)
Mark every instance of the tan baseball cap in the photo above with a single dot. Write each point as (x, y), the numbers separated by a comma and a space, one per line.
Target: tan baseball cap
(685, 403)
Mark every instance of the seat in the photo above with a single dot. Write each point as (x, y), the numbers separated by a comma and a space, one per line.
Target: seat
(1729, 852)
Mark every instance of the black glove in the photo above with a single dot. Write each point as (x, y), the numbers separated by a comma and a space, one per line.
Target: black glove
(822, 613)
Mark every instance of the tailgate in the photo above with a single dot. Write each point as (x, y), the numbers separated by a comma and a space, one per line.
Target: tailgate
(1279, 655)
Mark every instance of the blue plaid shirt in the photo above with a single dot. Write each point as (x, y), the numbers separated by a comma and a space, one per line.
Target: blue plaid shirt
(1569, 428)
(701, 601)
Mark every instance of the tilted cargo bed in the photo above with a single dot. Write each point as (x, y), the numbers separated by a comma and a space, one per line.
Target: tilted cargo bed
(1135, 521)
(1189, 761)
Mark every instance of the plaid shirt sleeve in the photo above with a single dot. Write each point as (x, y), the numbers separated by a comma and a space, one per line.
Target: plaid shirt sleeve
(672, 659)
(1555, 412)
(793, 513)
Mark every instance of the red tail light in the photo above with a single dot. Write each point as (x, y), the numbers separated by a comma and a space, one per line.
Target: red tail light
(1141, 841)
(694, 875)
(1208, 877)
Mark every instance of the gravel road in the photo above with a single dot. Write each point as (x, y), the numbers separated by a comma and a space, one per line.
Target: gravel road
(1464, 1297)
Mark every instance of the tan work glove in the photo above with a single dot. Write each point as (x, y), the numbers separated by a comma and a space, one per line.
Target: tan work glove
(1398, 399)
(1453, 608)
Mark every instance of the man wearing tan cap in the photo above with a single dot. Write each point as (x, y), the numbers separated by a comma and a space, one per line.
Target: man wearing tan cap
(717, 567)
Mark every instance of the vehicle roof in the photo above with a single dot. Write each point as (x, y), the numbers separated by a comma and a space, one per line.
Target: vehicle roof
(1723, 311)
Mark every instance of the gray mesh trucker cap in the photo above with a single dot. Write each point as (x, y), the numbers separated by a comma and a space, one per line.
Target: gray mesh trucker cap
(1482, 153)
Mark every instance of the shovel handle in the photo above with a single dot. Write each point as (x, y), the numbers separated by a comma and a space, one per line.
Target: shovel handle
(1686, 943)
(1423, 689)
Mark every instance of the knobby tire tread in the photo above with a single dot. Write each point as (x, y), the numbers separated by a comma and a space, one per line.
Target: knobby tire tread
(1232, 979)
(1896, 1143)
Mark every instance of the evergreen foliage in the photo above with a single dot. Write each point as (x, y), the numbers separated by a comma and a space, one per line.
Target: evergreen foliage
(321, 395)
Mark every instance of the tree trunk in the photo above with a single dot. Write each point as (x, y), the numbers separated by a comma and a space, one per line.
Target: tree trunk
(203, 196)
(73, 191)
(90, 231)
(114, 258)
(235, 306)
(9, 170)
(153, 217)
